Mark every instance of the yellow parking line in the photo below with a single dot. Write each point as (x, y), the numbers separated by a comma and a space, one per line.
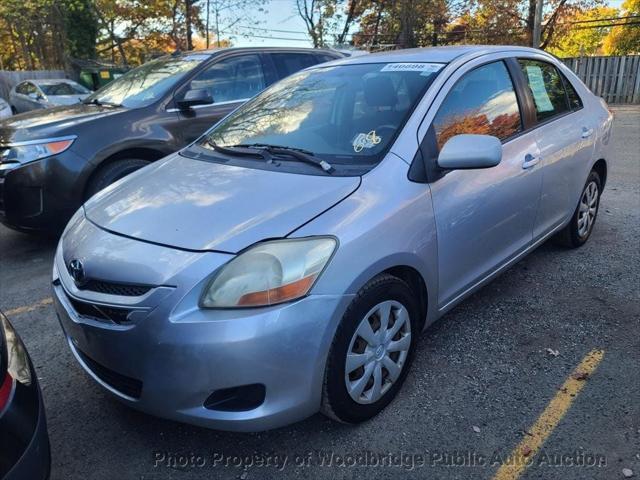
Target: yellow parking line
(29, 308)
(519, 459)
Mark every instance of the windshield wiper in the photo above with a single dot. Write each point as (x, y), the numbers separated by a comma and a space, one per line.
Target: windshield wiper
(297, 153)
(237, 150)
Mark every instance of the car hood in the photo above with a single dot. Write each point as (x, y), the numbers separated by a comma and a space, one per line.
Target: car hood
(52, 122)
(198, 205)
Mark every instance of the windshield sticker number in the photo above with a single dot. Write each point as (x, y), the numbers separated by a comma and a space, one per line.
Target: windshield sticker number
(424, 68)
(365, 140)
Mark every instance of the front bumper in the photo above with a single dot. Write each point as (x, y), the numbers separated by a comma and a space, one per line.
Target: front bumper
(174, 356)
(41, 195)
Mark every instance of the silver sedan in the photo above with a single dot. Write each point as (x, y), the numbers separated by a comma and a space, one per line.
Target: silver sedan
(287, 261)
(38, 94)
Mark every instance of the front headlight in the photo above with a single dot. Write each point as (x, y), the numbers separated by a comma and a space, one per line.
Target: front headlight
(269, 273)
(24, 152)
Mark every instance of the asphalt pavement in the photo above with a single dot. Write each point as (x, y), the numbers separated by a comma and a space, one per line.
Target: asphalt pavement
(501, 376)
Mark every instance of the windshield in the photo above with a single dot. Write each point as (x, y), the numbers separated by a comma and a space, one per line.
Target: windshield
(146, 84)
(63, 88)
(345, 114)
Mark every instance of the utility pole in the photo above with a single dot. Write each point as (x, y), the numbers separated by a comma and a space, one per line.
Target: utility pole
(208, 14)
(537, 25)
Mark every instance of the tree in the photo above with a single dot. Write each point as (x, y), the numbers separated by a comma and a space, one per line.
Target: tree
(583, 38)
(404, 23)
(329, 21)
(230, 16)
(625, 39)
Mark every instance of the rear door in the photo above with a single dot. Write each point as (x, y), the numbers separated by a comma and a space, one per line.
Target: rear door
(484, 217)
(565, 137)
(230, 81)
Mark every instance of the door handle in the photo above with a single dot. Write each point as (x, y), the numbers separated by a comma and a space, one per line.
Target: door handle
(530, 161)
(586, 132)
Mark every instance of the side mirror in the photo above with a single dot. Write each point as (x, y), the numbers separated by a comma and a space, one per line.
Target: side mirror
(35, 96)
(198, 96)
(467, 151)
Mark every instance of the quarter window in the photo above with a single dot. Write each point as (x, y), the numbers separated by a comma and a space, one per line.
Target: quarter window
(231, 79)
(572, 95)
(547, 89)
(482, 102)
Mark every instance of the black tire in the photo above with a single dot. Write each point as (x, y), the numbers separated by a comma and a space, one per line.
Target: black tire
(337, 403)
(111, 172)
(13, 110)
(570, 235)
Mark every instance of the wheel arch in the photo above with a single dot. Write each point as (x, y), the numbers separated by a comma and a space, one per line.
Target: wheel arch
(142, 153)
(415, 274)
(601, 168)
(417, 283)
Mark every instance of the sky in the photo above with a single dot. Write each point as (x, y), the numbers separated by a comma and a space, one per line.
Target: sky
(282, 15)
(283, 27)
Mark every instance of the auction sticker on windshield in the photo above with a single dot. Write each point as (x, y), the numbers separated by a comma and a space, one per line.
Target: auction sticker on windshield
(423, 68)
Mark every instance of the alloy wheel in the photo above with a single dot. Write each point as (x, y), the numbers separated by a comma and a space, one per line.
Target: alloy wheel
(377, 352)
(588, 209)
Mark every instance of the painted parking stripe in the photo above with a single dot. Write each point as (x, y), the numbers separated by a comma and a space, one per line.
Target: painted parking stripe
(549, 419)
(29, 308)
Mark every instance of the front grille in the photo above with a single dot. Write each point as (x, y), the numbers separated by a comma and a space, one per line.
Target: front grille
(100, 312)
(115, 288)
(131, 387)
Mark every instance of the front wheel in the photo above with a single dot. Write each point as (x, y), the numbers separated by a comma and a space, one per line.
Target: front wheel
(579, 229)
(372, 350)
(111, 172)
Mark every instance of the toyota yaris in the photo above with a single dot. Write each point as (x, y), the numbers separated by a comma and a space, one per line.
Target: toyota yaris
(286, 261)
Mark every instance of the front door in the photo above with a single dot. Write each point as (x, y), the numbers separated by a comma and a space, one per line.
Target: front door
(484, 217)
(230, 81)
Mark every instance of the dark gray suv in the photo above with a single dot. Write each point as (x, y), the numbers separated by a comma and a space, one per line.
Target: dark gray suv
(52, 160)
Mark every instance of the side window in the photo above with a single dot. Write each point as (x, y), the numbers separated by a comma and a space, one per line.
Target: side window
(484, 102)
(547, 89)
(574, 99)
(323, 57)
(22, 88)
(288, 63)
(231, 79)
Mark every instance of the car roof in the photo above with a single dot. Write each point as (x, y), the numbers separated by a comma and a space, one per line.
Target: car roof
(213, 51)
(431, 54)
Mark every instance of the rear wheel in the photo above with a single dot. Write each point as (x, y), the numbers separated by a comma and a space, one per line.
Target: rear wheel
(111, 172)
(579, 229)
(372, 350)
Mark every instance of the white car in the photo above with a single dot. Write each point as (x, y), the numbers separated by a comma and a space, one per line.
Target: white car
(38, 94)
(5, 109)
